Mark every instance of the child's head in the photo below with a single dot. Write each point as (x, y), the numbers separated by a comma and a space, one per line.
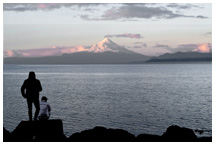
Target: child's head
(44, 98)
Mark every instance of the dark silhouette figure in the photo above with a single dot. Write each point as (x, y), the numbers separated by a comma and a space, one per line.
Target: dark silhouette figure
(30, 90)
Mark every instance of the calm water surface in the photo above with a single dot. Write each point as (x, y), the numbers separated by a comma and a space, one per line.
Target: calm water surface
(138, 98)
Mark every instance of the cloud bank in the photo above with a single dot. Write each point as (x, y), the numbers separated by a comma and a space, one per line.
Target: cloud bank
(130, 11)
(142, 11)
(201, 48)
(21, 7)
(40, 52)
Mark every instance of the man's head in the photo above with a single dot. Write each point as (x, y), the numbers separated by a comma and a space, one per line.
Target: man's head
(44, 99)
(31, 75)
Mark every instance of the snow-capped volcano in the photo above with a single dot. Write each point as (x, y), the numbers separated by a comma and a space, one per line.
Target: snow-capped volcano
(108, 45)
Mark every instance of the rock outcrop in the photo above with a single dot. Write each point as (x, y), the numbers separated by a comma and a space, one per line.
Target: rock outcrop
(6, 135)
(29, 131)
(175, 133)
(101, 134)
(52, 131)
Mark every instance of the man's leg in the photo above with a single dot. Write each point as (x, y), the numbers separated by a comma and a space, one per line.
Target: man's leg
(29, 109)
(37, 106)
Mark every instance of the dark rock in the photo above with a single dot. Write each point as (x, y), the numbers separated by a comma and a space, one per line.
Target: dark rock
(101, 134)
(50, 130)
(175, 133)
(6, 135)
(204, 139)
(149, 138)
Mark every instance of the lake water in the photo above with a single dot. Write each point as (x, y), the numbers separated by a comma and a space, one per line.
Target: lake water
(144, 98)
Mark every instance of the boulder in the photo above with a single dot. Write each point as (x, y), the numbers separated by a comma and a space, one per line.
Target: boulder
(101, 134)
(148, 138)
(6, 135)
(175, 133)
(28, 131)
(204, 139)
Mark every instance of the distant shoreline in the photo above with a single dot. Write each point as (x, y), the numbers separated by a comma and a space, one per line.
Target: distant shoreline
(130, 63)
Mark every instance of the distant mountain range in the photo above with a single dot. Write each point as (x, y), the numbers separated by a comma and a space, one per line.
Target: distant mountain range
(108, 52)
(104, 52)
(182, 57)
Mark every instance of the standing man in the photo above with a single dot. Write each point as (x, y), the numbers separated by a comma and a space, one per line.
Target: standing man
(30, 90)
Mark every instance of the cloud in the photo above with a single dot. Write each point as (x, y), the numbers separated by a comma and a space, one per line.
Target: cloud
(9, 53)
(179, 6)
(144, 45)
(126, 35)
(182, 6)
(182, 48)
(187, 45)
(141, 11)
(201, 17)
(208, 33)
(203, 48)
(40, 52)
(141, 43)
(134, 47)
(160, 45)
(21, 7)
(118, 11)
(85, 17)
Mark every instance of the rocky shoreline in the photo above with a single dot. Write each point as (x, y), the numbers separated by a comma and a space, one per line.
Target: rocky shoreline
(52, 131)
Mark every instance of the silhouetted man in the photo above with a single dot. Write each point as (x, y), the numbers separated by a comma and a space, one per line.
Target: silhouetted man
(30, 90)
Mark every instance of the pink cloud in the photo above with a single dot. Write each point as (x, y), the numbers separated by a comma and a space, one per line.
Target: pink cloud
(73, 49)
(40, 52)
(9, 53)
(47, 6)
(203, 48)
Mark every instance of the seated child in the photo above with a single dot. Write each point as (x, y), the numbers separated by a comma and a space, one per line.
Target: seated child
(45, 109)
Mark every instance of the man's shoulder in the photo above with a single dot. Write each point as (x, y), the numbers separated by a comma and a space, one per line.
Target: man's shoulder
(44, 103)
(37, 80)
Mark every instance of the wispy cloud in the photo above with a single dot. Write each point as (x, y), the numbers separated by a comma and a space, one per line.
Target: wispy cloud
(182, 6)
(208, 33)
(142, 44)
(183, 48)
(187, 45)
(126, 35)
(161, 45)
(201, 17)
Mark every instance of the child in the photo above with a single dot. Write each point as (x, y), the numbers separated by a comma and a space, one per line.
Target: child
(45, 109)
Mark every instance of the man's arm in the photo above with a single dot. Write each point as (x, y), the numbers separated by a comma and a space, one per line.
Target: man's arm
(39, 87)
(23, 89)
(49, 108)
